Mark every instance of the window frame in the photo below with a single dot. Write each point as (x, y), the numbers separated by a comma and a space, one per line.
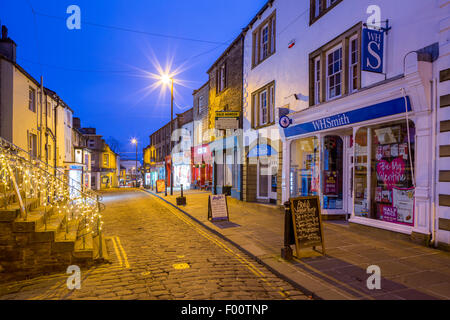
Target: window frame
(352, 65)
(334, 74)
(257, 44)
(322, 54)
(269, 90)
(106, 159)
(221, 74)
(32, 99)
(326, 7)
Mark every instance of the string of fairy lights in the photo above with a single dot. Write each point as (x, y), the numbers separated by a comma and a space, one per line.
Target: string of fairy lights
(35, 180)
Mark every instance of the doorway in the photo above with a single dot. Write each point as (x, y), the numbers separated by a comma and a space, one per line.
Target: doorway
(267, 179)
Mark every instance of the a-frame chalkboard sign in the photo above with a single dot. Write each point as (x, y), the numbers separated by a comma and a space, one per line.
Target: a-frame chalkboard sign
(307, 223)
(218, 208)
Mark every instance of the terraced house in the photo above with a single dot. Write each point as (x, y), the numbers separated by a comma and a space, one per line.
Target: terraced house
(360, 104)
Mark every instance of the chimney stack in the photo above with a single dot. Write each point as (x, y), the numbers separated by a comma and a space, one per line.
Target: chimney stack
(7, 46)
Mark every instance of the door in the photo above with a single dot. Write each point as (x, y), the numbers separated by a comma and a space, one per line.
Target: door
(332, 174)
(263, 179)
(349, 169)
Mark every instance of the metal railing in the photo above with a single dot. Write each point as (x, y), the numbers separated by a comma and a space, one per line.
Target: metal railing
(27, 177)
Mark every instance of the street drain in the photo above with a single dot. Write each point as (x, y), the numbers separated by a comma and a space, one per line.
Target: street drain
(180, 266)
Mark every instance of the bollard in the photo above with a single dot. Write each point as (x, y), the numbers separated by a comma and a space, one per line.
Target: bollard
(286, 251)
(181, 201)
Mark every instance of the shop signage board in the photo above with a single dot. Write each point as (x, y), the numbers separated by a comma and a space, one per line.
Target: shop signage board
(307, 223)
(218, 207)
(375, 111)
(160, 185)
(372, 50)
(227, 120)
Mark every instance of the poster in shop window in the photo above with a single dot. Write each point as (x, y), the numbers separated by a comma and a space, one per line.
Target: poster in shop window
(160, 186)
(403, 201)
(330, 183)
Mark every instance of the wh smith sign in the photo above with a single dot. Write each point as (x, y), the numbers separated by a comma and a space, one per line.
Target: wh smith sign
(372, 50)
(375, 111)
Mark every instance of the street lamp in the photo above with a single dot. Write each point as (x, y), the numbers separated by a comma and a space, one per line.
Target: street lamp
(134, 141)
(167, 79)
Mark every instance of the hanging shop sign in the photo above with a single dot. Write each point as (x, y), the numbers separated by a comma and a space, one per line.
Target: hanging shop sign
(375, 111)
(307, 223)
(160, 185)
(227, 120)
(372, 50)
(285, 122)
(218, 207)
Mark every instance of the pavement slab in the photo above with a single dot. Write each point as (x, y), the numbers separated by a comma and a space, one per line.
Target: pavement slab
(409, 271)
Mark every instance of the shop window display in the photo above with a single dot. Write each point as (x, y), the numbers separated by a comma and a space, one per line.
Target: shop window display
(305, 169)
(332, 190)
(391, 192)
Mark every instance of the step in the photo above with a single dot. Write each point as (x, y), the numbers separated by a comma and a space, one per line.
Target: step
(65, 242)
(35, 220)
(10, 198)
(84, 249)
(103, 255)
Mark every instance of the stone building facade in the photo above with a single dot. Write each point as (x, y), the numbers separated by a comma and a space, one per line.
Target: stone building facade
(225, 94)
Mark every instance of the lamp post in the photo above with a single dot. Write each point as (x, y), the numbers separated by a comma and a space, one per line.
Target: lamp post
(134, 141)
(167, 79)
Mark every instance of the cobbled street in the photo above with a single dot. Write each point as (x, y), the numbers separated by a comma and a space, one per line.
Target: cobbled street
(156, 252)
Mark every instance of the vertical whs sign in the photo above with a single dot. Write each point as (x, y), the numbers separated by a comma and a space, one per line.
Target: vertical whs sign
(372, 50)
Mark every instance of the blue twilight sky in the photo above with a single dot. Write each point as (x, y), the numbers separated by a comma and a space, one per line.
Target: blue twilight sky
(102, 73)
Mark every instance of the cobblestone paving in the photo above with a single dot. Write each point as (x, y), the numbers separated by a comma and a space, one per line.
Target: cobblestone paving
(158, 253)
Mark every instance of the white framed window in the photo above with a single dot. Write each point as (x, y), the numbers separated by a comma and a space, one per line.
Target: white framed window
(334, 73)
(222, 77)
(318, 8)
(263, 105)
(32, 144)
(353, 64)
(106, 159)
(201, 103)
(49, 109)
(317, 87)
(32, 99)
(331, 2)
(264, 42)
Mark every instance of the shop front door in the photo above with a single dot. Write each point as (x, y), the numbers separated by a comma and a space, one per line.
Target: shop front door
(349, 168)
(333, 174)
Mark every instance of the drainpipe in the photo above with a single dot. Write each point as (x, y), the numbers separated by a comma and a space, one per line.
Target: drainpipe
(56, 130)
(434, 134)
(40, 121)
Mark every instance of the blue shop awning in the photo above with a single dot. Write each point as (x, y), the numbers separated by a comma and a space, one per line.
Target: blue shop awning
(262, 150)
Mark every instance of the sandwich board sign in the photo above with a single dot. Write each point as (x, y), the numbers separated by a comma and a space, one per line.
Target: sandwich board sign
(218, 208)
(307, 223)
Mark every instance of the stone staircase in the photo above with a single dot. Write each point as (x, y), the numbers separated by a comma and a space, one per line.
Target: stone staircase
(44, 226)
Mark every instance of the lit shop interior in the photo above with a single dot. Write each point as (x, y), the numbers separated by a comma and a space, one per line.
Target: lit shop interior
(366, 171)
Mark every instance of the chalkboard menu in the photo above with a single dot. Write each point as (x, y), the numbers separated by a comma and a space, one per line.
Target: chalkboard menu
(217, 207)
(307, 222)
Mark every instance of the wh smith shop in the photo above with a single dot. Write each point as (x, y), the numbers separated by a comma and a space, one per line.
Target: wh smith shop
(368, 154)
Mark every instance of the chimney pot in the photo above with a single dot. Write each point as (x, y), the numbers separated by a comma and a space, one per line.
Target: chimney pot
(4, 32)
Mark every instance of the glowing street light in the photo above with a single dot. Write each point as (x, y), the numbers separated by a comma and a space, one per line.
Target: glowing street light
(134, 141)
(167, 79)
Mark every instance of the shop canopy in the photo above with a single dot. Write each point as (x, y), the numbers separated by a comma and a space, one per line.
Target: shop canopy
(262, 150)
